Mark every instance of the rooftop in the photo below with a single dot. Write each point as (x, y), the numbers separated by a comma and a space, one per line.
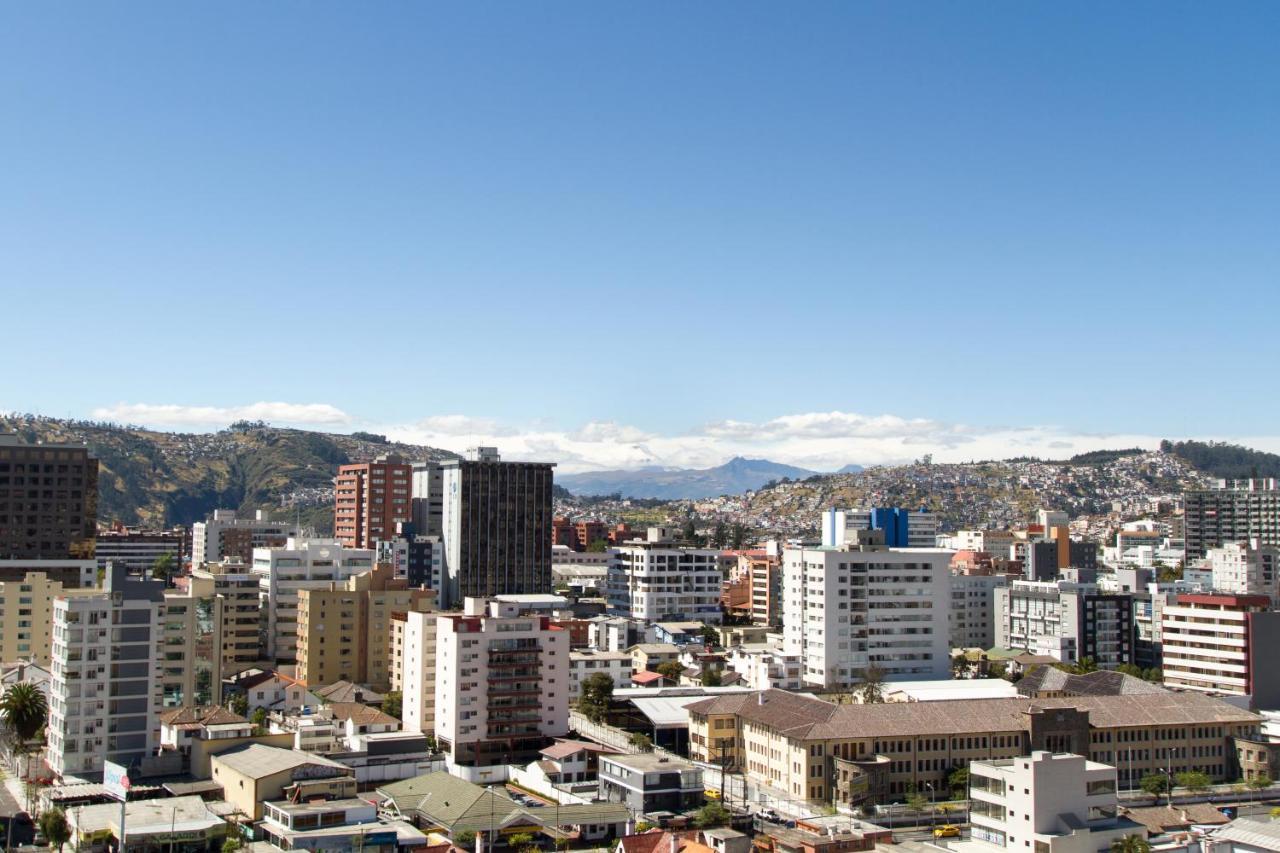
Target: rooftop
(798, 716)
(646, 762)
(257, 760)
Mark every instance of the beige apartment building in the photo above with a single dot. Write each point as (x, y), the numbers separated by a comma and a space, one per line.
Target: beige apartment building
(807, 748)
(345, 630)
(26, 616)
(238, 589)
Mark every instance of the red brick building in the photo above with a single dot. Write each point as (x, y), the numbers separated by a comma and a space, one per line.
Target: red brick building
(370, 498)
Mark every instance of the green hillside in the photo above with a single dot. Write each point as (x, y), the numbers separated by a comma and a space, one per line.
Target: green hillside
(161, 478)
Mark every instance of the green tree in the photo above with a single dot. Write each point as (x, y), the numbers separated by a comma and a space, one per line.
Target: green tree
(871, 690)
(1154, 783)
(916, 801)
(1155, 674)
(641, 742)
(393, 704)
(238, 705)
(710, 635)
(1130, 669)
(466, 838)
(719, 535)
(711, 678)
(958, 781)
(1084, 666)
(689, 531)
(520, 841)
(24, 711)
(1130, 844)
(643, 826)
(670, 670)
(259, 719)
(738, 534)
(1259, 782)
(998, 669)
(164, 567)
(232, 844)
(1194, 781)
(53, 823)
(597, 546)
(597, 693)
(711, 815)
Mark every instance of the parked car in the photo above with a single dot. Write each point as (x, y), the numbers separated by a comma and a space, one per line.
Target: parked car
(948, 830)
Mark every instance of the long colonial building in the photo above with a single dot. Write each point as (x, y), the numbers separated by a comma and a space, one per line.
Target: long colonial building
(807, 748)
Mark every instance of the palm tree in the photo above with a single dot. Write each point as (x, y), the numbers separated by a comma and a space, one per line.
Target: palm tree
(1130, 844)
(24, 710)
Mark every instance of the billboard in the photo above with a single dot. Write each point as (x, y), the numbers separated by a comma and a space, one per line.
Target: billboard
(116, 780)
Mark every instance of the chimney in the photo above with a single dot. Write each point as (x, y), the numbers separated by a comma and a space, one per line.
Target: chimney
(759, 698)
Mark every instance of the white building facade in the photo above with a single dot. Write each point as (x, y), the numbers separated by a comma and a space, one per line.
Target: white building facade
(660, 581)
(105, 698)
(848, 609)
(502, 687)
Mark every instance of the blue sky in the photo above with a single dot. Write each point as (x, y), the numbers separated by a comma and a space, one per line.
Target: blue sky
(631, 224)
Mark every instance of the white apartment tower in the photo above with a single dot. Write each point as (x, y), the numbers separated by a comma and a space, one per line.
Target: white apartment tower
(418, 672)
(848, 609)
(657, 580)
(104, 698)
(283, 572)
(502, 687)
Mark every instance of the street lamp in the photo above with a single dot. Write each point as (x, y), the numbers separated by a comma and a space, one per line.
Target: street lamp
(929, 785)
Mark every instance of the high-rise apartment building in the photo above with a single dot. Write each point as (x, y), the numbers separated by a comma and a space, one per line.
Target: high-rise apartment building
(1219, 644)
(238, 589)
(48, 500)
(344, 629)
(1067, 620)
(658, 580)
(1232, 511)
(902, 528)
(284, 572)
(102, 702)
(227, 535)
(139, 549)
(973, 610)
(190, 654)
(496, 524)
(370, 499)
(502, 685)
(416, 557)
(1246, 568)
(418, 673)
(26, 616)
(848, 609)
(428, 498)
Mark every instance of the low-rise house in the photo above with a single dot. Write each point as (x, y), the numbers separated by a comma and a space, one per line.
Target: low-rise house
(344, 824)
(648, 656)
(346, 691)
(193, 735)
(253, 774)
(762, 666)
(149, 825)
(833, 834)
(572, 761)
(268, 689)
(586, 662)
(678, 633)
(648, 782)
(441, 802)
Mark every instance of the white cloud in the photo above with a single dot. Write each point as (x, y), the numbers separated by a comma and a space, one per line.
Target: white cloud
(151, 414)
(822, 441)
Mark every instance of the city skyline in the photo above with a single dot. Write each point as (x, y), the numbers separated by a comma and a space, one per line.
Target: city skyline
(820, 441)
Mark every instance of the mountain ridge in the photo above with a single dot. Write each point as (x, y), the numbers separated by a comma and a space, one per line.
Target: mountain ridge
(735, 476)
